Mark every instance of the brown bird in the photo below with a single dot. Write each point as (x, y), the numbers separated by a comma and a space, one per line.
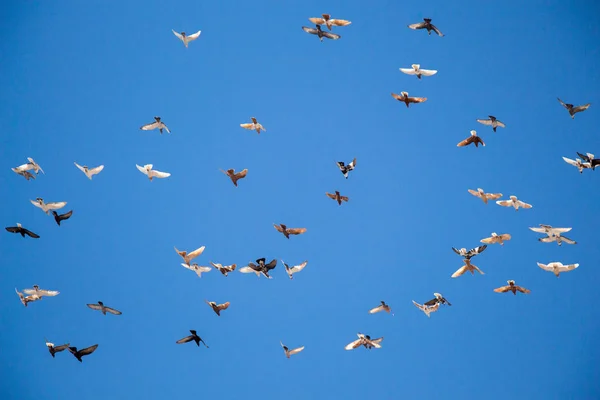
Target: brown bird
(403, 97)
(381, 307)
(61, 217)
(253, 126)
(512, 288)
(27, 299)
(223, 269)
(337, 197)
(467, 267)
(495, 238)
(55, 349)
(471, 139)
(328, 21)
(426, 25)
(289, 231)
(217, 308)
(483, 195)
(19, 229)
(235, 177)
(572, 109)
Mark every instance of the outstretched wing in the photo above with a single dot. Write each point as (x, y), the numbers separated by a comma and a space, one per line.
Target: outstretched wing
(332, 36)
(522, 204)
(459, 271)
(31, 234)
(408, 71)
(502, 289)
(296, 231)
(465, 142)
(353, 345)
(142, 169)
(485, 121)
(159, 174)
(298, 268)
(195, 253)
(331, 196)
(436, 30)
(504, 203)
(190, 38)
(376, 310)
(87, 350)
(113, 311)
(428, 72)
(185, 339)
(581, 108)
(271, 265)
(569, 161)
(563, 104)
(279, 228)
(149, 127)
(296, 350)
(522, 289)
(95, 306)
(317, 21)
(309, 30)
(178, 35)
(339, 22)
(419, 25)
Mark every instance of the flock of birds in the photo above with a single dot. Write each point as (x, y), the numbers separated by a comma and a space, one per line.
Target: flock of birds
(261, 267)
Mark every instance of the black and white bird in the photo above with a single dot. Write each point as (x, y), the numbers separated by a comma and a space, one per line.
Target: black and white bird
(224, 269)
(55, 349)
(364, 340)
(157, 124)
(261, 268)
(90, 172)
(321, 33)
(46, 207)
(427, 309)
(577, 163)
(471, 253)
(289, 352)
(381, 307)
(292, 270)
(193, 337)
(104, 309)
(493, 122)
(426, 24)
(574, 109)
(83, 352)
(61, 217)
(589, 158)
(437, 299)
(186, 39)
(26, 174)
(346, 168)
(22, 231)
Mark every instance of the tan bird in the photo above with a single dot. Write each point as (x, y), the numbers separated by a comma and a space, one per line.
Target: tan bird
(289, 352)
(511, 287)
(381, 307)
(513, 202)
(235, 177)
(328, 21)
(557, 267)
(467, 267)
(471, 139)
(403, 97)
(223, 269)
(254, 126)
(484, 196)
(364, 340)
(217, 308)
(289, 231)
(337, 197)
(495, 238)
(187, 257)
(198, 269)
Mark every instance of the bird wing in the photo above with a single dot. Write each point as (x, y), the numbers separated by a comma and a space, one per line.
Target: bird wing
(31, 234)
(465, 142)
(149, 127)
(95, 306)
(456, 251)
(142, 170)
(502, 289)
(61, 347)
(185, 339)
(459, 271)
(56, 205)
(96, 170)
(178, 35)
(504, 203)
(563, 104)
(522, 289)
(309, 30)
(35, 203)
(190, 38)
(65, 215)
(247, 126)
(333, 36)
(522, 204)
(298, 268)
(488, 240)
(271, 265)
(195, 253)
(569, 267)
(493, 196)
(436, 30)
(296, 231)
(242, 174)
(331, 196)
(583, 157)
(569, 161)
(419, 25)
(248, 269)
(87, 350)
(376, 310)
(353, 345)
(296, 350)
(316, 21)
(344, 198)
(417, 99)
(474, 192)
(485, 121)
(581, 108)
(159, 174)
(479, 249)
(279, 228)
(500, 124)
(223, 306)
(548, 239)
(376, 342)
(567, 240)
(113, 311)
(80, 168)
(339, 22)
(13, 229)
(545, 267)
(42, 292)
(428, 72)
(505, 236)
(408, 71)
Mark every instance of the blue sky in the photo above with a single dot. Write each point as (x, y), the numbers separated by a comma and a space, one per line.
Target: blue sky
(78, 80)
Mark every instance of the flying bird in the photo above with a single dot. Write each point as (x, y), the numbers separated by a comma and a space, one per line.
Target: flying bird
(558, 238)
(589, 157)
(381, 307)
(61, 217)
(328, 21)
(471, 253)
(186, 38)
(261, 268)
(157, 124)
(254, 126)
(56, 349)
(296, 268)
(31, 165)
(22, 231)
(493, 122)
(83, 352)
(417, 71)
(346, 168)
(574, 110)
(223, 269)
(578, 164)
(152, 173)
(46, 207)
(484, 196)
(337, 197)
(289, 352)
(513, 202)
(289, 231)
(321, 33)
(426, 25)
(187, 257)
(101, 307)
(235, 177)
(26, 174)
(549, 230)
(512, 288)
(427, 309)
(27, 299)
(193, 337)
(557, 267)
(364, 340)
(217, 308)
(438, 299)
(471, 139)
(467, 267)
(196, 268)
(406, 99)
(495, 238)
(37, 292)
(90, 172)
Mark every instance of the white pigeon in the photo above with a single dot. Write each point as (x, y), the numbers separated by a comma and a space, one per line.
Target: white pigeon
(90, 172)
(197, 269)
(289, 352)
(186, 38)
(549, 230)
(513, 202)
(578, 164)
(294, 269)
(255, 125)
(427, 309)
(416, 70)
(26, 174)
(30, 165)
(46, 207)
(152, 173)
(157, 124)
(37, 292)
(557, 267)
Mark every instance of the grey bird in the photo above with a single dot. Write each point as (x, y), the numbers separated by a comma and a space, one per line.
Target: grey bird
(101, 307)
(55, 349)
(426, 24)
(321, 33)
(493, 122)
(574, 109)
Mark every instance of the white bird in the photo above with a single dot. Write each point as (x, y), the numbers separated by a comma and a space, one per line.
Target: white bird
(578, 164)
(364, 340)
(187, 257)
(289, 352)
(26, 174)
(46, 207)
(90, 172)
(186, 38)
(416, 70)
(255, 125)
(248, 270)
(493, 122)
(513, 202)
(549, 230)
(427, 309)
(381, 307)
(37, 292)
(152, 173)
(197, 269)
(224, 269)
(483, 195)
(495, 238)
(157, 124)
(557, 267)
(294, 269)
(30, 165)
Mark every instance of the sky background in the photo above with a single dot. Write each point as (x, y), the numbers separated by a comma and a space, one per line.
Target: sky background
(79, 79)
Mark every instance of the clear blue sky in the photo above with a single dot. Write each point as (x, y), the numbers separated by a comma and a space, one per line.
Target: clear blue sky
(79, 79)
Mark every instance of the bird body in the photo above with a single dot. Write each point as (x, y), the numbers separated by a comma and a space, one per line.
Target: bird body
(574, 109)
(289, 352)
(235, 177)
(426, 24)
(217, 308)
(294, 269)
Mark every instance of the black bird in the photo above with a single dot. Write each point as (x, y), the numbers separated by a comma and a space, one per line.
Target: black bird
(22, 231)
(61, 217)
(438, 299)
(346, 168)
(572, 109)
(83, 352)
(426, 25)
(193, 337)
(471, 253)
(589, 157)
(262, 267)
(55, 349)
(320, 33)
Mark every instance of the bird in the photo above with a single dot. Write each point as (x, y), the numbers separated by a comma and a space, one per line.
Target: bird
(37, 292)
(437, 299)
(157, 124)
(193, 337)
(578, 164)
(26, 174)
(31, 165)
(261, 268)
(289, 231)
(381, 307)
(55, 349)
(321, 33)
(294, 269)
(217, 308)
(27, 299)
(406, 99)
(471, 139)
(574, 110)
(254, 126)
(152, 173)
(346, 168)
(495, 238)
(427, 309)
(558, 238)
(90, 172)
(364, 340)
(46, 207)
(61, 217)
(493, 122)
(83, 352)
(337, 197)
(549, 230)
(513, 202)
(101, 307)
(557, 267)
(196, 268)
(187, 257)
(471, 253)
(484, 196)
(235, 177)
(223, 269)
(467, 267)
(426, 25)
(328, 21)
(589, 157)
(186, 38)
(512, 288)
(23, 231)
(417, 71)
(289, 352)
